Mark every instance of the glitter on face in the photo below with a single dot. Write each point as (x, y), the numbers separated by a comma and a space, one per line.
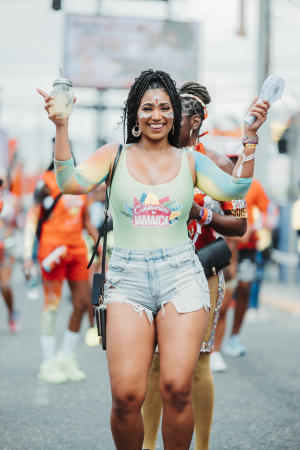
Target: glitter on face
(144, 115)
(156, 103)
(168, 115)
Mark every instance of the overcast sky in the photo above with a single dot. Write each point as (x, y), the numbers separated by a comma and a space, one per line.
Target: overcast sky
(31, 49)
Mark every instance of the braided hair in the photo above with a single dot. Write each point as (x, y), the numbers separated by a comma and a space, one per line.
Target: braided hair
(191, 106)
(150, 79)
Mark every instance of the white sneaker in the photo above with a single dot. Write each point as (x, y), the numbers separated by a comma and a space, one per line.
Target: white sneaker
(256, 315)
(50, 372)
(252, 316)
(217, 363)
(69, 366)
(234, 347)
(91, 337)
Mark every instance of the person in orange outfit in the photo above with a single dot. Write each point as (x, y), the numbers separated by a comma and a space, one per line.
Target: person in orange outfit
(62, 254)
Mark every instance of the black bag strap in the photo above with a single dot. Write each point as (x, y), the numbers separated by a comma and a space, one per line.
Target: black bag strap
(104, 226)
(45, 216)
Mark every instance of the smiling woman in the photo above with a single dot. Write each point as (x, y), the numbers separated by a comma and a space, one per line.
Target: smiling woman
(153, 99)
(155, 291)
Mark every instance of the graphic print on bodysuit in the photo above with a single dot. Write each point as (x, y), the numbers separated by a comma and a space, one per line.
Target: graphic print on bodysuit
(150, 211)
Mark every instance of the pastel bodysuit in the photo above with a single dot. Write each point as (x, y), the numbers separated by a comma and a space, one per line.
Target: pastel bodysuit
(150, 216)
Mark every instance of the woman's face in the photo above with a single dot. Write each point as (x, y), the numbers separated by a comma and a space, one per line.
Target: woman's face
(155, 115)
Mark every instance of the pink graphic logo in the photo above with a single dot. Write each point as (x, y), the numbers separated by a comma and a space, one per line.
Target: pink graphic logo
(150, 211)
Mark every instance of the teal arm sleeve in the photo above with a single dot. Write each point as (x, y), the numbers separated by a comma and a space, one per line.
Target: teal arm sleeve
(215, 182)
(76, 180)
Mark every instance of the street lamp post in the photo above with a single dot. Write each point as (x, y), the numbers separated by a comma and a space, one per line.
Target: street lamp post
(263, 66)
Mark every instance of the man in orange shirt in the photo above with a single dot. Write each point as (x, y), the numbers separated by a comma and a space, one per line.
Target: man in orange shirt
(62, 254)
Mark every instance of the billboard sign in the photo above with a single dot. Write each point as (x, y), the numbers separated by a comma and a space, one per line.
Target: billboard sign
(110, 52)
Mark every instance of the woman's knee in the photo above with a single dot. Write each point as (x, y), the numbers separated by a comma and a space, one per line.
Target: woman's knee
(176, 393)
(126, 401)
(80, 305)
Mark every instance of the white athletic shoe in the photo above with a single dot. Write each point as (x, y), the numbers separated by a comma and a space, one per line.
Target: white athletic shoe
(234, 347)
(256, 315)
(51, 373)
(91, 337)
(217, 363)
(252, 315)
(69, 366)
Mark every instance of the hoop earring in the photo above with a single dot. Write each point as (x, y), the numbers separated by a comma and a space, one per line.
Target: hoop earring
(191, 133)
(136, 131)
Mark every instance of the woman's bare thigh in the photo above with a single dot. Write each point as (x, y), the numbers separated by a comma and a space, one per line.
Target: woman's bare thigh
(130, 347)
(179, 339)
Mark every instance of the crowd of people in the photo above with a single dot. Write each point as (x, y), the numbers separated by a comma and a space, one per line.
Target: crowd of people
(170, 196)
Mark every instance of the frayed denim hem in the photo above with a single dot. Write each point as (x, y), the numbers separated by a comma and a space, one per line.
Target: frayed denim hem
(136, 308)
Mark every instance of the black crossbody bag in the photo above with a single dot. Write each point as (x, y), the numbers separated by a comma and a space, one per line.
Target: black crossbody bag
(214, 256)
(99, 278)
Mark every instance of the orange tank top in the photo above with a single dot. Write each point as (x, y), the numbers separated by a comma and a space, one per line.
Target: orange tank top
(65, 224)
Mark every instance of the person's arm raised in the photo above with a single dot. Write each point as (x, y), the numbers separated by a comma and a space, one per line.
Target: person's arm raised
(89, 174)
(210, 179)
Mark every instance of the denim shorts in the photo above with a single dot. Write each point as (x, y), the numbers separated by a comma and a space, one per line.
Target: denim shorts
(149, 279)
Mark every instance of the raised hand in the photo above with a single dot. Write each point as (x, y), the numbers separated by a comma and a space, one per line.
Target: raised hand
(49, 101)
(260, 112)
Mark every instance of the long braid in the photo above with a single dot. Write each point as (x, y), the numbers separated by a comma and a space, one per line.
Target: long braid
(150, 79)
(191, 106)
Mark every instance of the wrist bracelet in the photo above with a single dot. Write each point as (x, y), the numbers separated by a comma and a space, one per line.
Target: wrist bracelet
(209, 217)
(244, 159)
(205, 216)
(250, 139)
(249, 145)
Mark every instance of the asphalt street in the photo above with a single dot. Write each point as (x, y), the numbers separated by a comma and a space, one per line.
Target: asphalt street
(257, 399)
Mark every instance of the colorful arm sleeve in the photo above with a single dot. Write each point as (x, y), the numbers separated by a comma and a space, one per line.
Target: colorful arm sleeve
(85, 177)
(215, 182)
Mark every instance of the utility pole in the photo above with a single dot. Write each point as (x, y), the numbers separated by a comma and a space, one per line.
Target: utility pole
(263, 67)
(100, 106)
(264, 32)
(241, 28)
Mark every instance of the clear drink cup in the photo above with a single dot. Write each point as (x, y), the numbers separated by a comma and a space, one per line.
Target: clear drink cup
(63, 98)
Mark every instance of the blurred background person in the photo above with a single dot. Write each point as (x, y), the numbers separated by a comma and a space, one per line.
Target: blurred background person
(296, 227)
(8, 229)
(58, 222)
(244, 249)
(265, 224)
